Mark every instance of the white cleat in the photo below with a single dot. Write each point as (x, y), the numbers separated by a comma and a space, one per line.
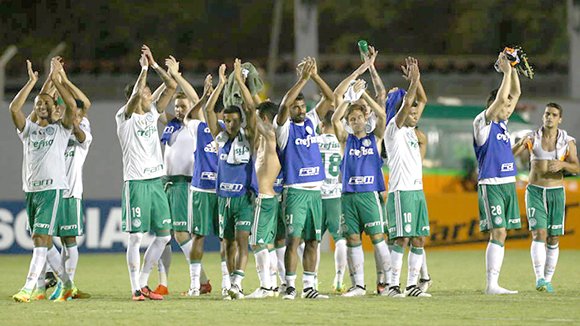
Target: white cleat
(393, 292)
(261, 293)
(290, 293)
(312, 293)
(356, 291)
(498, 290)
(424, 284)
(235, 293)
(225, 294)
(192, 293)
(415, 291)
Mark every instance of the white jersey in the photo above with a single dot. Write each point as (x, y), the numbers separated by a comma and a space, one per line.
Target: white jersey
(331, 158)
(140, 145)
(43, 163)
(179, 153)
(404, 158)
(75, 156)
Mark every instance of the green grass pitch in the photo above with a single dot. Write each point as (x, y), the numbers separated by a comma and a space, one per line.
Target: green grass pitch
(458, 299)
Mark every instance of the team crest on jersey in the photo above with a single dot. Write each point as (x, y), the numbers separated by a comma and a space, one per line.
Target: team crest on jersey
(497, 220)
(309, 130)
(408, 228)
(149, 118)
(366, 142)
(49, 130)
(136, 223)
(532, 222)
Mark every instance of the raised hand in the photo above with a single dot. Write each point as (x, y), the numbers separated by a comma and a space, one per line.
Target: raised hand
(143, 61)
(222, 74)
(238, 70)
(314, 67)
(359, 85)
(145, 50)
(172, 65)
(55, 66)
(32, 75)
(306, 69)
(208, 85)
(504, 65)
(371, 56)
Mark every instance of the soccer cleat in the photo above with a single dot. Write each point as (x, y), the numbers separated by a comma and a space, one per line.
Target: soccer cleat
(57, 291)
(541, 285)
(415, 291)
(276, 291)
(38, 294)
(161, 290)
(356, 291)
(147, 293)
(290, 293)
(192, 293)
(138, 296)
(549, 287)
(78, 294)
(424, 284)
(498, 290)
(50, 280)
(261, 293)
(381, 287)
(339, 288)
(393, 292)
(312, 293)
(22, 296)
(235, 292)
(65, 294)
(205, 288)
(225, 294)
(282, 288)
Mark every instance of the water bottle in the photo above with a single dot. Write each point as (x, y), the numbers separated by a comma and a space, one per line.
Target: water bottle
(363, 48)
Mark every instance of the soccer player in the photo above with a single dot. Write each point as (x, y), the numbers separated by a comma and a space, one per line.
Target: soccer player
(304, 175)
(144, 202)
(267, 210)
(406, 206)
(330, 191)
(498, 203)
(44, 175)
(235, 177)
(202, 201)
(362, 180)
(552, 152)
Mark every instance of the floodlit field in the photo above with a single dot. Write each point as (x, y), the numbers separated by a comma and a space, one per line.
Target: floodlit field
(459, 279)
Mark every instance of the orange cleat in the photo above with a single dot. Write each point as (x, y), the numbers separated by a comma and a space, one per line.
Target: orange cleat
(161, 290)
(138, 296)
(205, 288)
(146, 291)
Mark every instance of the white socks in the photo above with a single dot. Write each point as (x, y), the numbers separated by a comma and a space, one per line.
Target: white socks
(280, 252)
(152, 255)
(263, 268)
(538, 253)
(36, 267)
(340, 262)
(493, 261)
(424, 270)
(194, 272)
(226, 282)
(300, 252)
(54, 259)
(134, 259)
(396, 265)
(415, 262)
(382, 261)
(164, 264)
(273, 268)
(308, 280)
(358, 262)
(551, 260)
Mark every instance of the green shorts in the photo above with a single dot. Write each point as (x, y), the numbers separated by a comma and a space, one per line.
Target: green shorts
(44, 209)
(145, 207)
(331, 214)
(265, 220)
(362, 211)
(281, 223)
(546, 209)
(203, 213)
(498, 207)
(235, 214)
(407, 214)
(177, 191)
(71, 222)
(303, 213)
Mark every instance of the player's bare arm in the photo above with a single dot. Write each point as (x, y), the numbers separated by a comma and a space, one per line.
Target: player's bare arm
(524, 144)
(380, 113)
(208, 110)
(169, 83)
(290, 97)
(196, 111)
(70, 103)
(76, 92)
(412, 71)
(380, 92)
(248, 106)
(135, 99)
(337, 125)
(502, 98)
(327, 101)
(569, 165)
(343, 86)
(18, 118)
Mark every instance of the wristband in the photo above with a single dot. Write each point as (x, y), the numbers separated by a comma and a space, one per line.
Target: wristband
(144, 68)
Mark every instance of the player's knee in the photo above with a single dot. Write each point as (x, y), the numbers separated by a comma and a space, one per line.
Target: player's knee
(69, 241)
(499, 235)
(418, 242)
(182, 237)
(553, 240)
(402, 242)
(135, 238)
(539, 235)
